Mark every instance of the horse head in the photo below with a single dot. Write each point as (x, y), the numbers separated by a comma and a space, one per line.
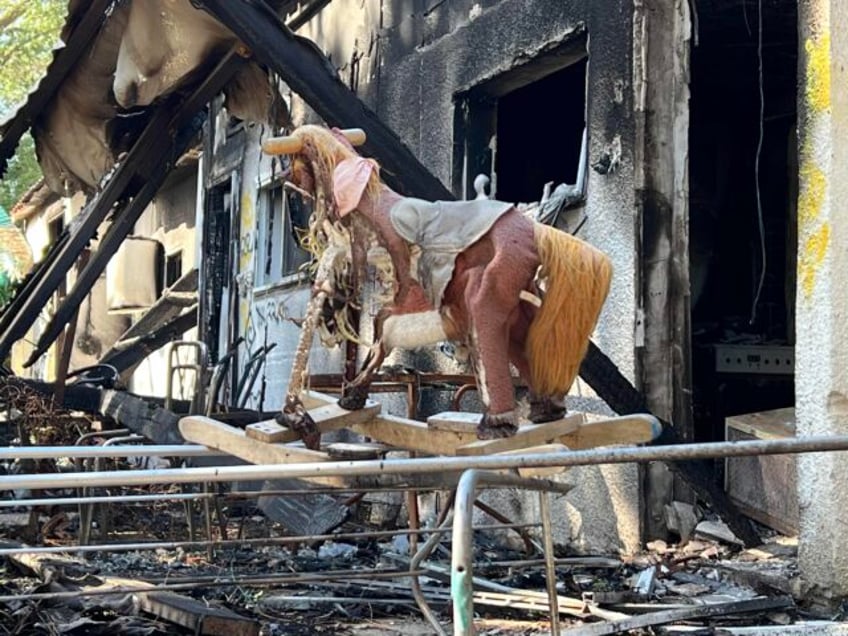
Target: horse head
(326, 168)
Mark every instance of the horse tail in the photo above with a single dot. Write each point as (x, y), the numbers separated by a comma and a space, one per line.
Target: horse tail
(574, 280)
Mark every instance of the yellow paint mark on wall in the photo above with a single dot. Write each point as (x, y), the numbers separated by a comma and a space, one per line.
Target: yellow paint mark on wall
(812, 256)
(817, 89)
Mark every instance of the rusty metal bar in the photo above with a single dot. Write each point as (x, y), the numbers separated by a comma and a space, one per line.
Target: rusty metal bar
(550, 566)
(316, 577)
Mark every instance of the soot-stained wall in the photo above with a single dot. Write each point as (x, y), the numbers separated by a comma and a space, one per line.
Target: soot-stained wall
(413, 62)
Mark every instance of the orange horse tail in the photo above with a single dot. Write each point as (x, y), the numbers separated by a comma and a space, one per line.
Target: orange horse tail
(575, 279)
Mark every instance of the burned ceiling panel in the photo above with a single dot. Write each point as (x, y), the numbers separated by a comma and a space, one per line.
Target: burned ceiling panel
(82, 128)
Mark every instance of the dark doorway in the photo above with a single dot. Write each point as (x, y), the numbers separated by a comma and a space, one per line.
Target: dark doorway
(743, 185)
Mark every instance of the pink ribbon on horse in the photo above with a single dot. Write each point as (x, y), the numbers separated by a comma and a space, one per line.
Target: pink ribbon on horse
(350, 178)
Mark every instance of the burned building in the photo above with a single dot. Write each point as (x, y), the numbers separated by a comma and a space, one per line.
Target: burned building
(710, 176)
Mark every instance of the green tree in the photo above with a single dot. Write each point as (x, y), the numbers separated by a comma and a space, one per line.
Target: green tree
(29, 30)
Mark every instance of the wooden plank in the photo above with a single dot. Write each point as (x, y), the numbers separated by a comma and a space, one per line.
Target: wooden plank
(327, 417)
(627, 429)
(411, 435)
(775, 424)
(758, 485)
(269, 432)
(450, 433)
(457, 421)
(527, 436)
(218, 436)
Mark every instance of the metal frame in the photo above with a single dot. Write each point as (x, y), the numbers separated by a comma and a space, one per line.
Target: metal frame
(478, 473)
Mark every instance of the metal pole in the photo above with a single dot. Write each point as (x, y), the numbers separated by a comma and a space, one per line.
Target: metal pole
(550, 565)
(242, 494)
(414, 564)
(428, 464)
(462, 550)
(60, 452)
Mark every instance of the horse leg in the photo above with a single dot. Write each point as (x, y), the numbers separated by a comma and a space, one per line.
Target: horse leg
(543, 408)
(294, 415)
(355, 394)
(489, 317)
(546, 408)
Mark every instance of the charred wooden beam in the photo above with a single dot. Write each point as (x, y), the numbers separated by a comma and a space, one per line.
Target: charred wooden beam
(302, 65)
(698, 612)
(129, 357)
(78, 43)
(612, 387)
(148, 163)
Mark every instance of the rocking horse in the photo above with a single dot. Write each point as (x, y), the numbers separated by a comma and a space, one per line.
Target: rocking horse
(505, 289)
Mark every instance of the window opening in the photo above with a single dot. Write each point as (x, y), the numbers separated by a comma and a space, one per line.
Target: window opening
(281, 254)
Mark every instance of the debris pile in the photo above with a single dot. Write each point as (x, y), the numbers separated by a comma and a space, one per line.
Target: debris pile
(264, 583)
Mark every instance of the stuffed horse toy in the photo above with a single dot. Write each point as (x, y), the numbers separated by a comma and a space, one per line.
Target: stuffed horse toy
(505, 289)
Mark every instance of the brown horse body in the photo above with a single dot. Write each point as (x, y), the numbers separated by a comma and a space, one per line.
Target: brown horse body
(479, 279)
(481, 308)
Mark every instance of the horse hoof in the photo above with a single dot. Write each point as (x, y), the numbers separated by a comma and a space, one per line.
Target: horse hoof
(353, 399)
(546, 409)
(497, 426)
(302, 423)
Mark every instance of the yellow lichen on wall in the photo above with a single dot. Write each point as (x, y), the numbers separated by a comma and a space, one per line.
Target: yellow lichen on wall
(817, 89)
(813, 233)
(811, 198)
(812, 256)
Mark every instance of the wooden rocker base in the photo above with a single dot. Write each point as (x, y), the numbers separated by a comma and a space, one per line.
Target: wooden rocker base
(448, 434)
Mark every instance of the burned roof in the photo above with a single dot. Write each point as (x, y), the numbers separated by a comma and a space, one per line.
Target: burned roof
(117, 61)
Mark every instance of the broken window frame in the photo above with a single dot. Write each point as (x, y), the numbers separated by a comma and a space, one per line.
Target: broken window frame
(278, 255)
(476, 122)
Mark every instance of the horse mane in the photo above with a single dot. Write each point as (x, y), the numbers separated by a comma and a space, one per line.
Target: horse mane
(323, 149)
(575, 279)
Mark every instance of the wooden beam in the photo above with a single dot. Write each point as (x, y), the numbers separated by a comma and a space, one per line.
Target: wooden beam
(527, 436)
(140, 416)
(308, 72)
(612, 431)
(215, 435)
(327, 417)
(127, 357)
(187, 125)
(452, 430)
(411, 435)
(202, 430)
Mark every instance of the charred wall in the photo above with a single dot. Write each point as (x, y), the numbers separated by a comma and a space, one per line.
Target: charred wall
(416, 64)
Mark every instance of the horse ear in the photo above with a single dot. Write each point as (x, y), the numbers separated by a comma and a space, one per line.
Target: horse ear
(350, 178)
